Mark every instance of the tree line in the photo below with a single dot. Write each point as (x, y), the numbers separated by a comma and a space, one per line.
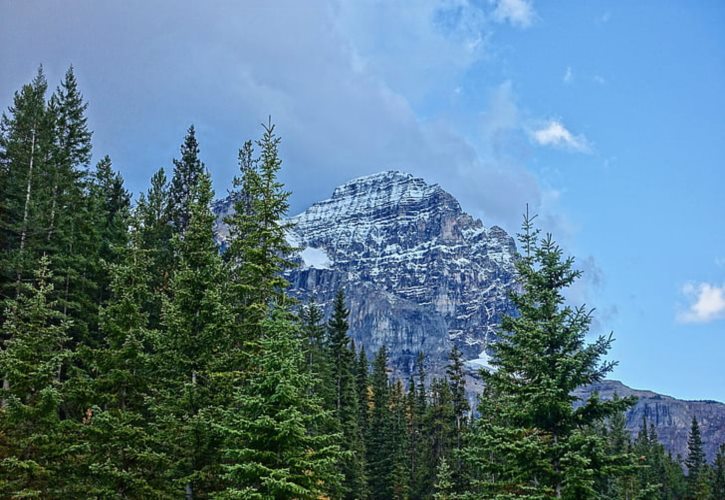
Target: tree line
(140, 361)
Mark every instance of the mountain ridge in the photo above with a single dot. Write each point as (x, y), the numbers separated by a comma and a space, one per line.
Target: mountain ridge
(420, 274)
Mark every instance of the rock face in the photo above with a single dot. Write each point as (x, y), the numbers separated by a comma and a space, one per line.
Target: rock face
(672, 417)
(420, 275)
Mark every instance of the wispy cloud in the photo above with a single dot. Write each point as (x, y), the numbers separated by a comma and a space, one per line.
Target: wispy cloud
(516, 12)
(707, 303)
(554, 133)
(568, 75)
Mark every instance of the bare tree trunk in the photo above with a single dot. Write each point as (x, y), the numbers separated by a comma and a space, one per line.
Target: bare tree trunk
(28, 190)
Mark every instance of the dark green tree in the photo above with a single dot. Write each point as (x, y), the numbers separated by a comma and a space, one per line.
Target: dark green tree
(187, 172)
(718, 475)
(152, 212)
(110, 210)
(697, 468)
(258, 251)
(69, 234)
(363, 390)
(26, 140)
(380, 444)
(34, 450)
(346, 401)
(317, 361)
(270, 444)
(196, 326)
(123, 456)
(444, 486)
(531, 439)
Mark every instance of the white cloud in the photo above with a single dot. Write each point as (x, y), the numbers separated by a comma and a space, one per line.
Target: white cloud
(599, 80)
(720, 261)
(568, 75)
(516, 12)
(555, 134)
(707, 303)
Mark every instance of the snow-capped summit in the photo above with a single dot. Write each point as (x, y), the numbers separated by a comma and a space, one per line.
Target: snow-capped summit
(419, 273)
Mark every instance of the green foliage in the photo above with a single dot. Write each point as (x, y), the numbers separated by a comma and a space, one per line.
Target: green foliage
(718, 474)
(123, 455)
(270, 446)
(698, 481)
(531, 439)
(34, 349)
(196, 327)
(187, 173)
(345, 400)
(137, 361)
(258, 251)
(444, 488)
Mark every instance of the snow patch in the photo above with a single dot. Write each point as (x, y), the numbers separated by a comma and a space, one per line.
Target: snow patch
(483, 361)
(315, 257)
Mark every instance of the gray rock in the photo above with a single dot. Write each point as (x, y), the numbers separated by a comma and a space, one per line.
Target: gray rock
(421, 275)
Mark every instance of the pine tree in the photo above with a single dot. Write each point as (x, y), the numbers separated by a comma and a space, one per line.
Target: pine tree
(270, 448)
(718, 479)
(258, 250)
(317, 361)
(123, 456)
(26, 138)
(111, 210)
(69, 231)
(461, 409)
(363, 390)
(399, 444)
(346, 403)
(697, 469)
(196, 326)
(531, 439)
(33, 451)
(152, 211)
(380, 459)
(420, 435)
(444, 486)
(187, 172)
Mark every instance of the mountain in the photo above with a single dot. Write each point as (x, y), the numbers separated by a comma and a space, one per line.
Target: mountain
(421, 275)
(672, 417)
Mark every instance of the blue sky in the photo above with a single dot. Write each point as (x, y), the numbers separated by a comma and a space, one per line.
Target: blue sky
(607, 117)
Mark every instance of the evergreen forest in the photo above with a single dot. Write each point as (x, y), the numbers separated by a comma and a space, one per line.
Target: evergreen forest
(138, 360)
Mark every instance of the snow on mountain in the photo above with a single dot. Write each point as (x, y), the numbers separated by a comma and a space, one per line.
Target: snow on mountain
(420, 274)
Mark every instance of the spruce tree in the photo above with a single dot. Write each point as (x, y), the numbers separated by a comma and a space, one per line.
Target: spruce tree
(697, 468)
(196, 326)
(718, 475)
(346, 401)
(33, 446)
(152, 212)
(69, 231)
(461, 409)
(380, 456)
(531, 439)
(26, 139)
(362, 382)
(270, 444)
(258, 251)
(317, 361)
(399, 444)
(111, 210)
(444, 486)
(187, 172)
(124, 458)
